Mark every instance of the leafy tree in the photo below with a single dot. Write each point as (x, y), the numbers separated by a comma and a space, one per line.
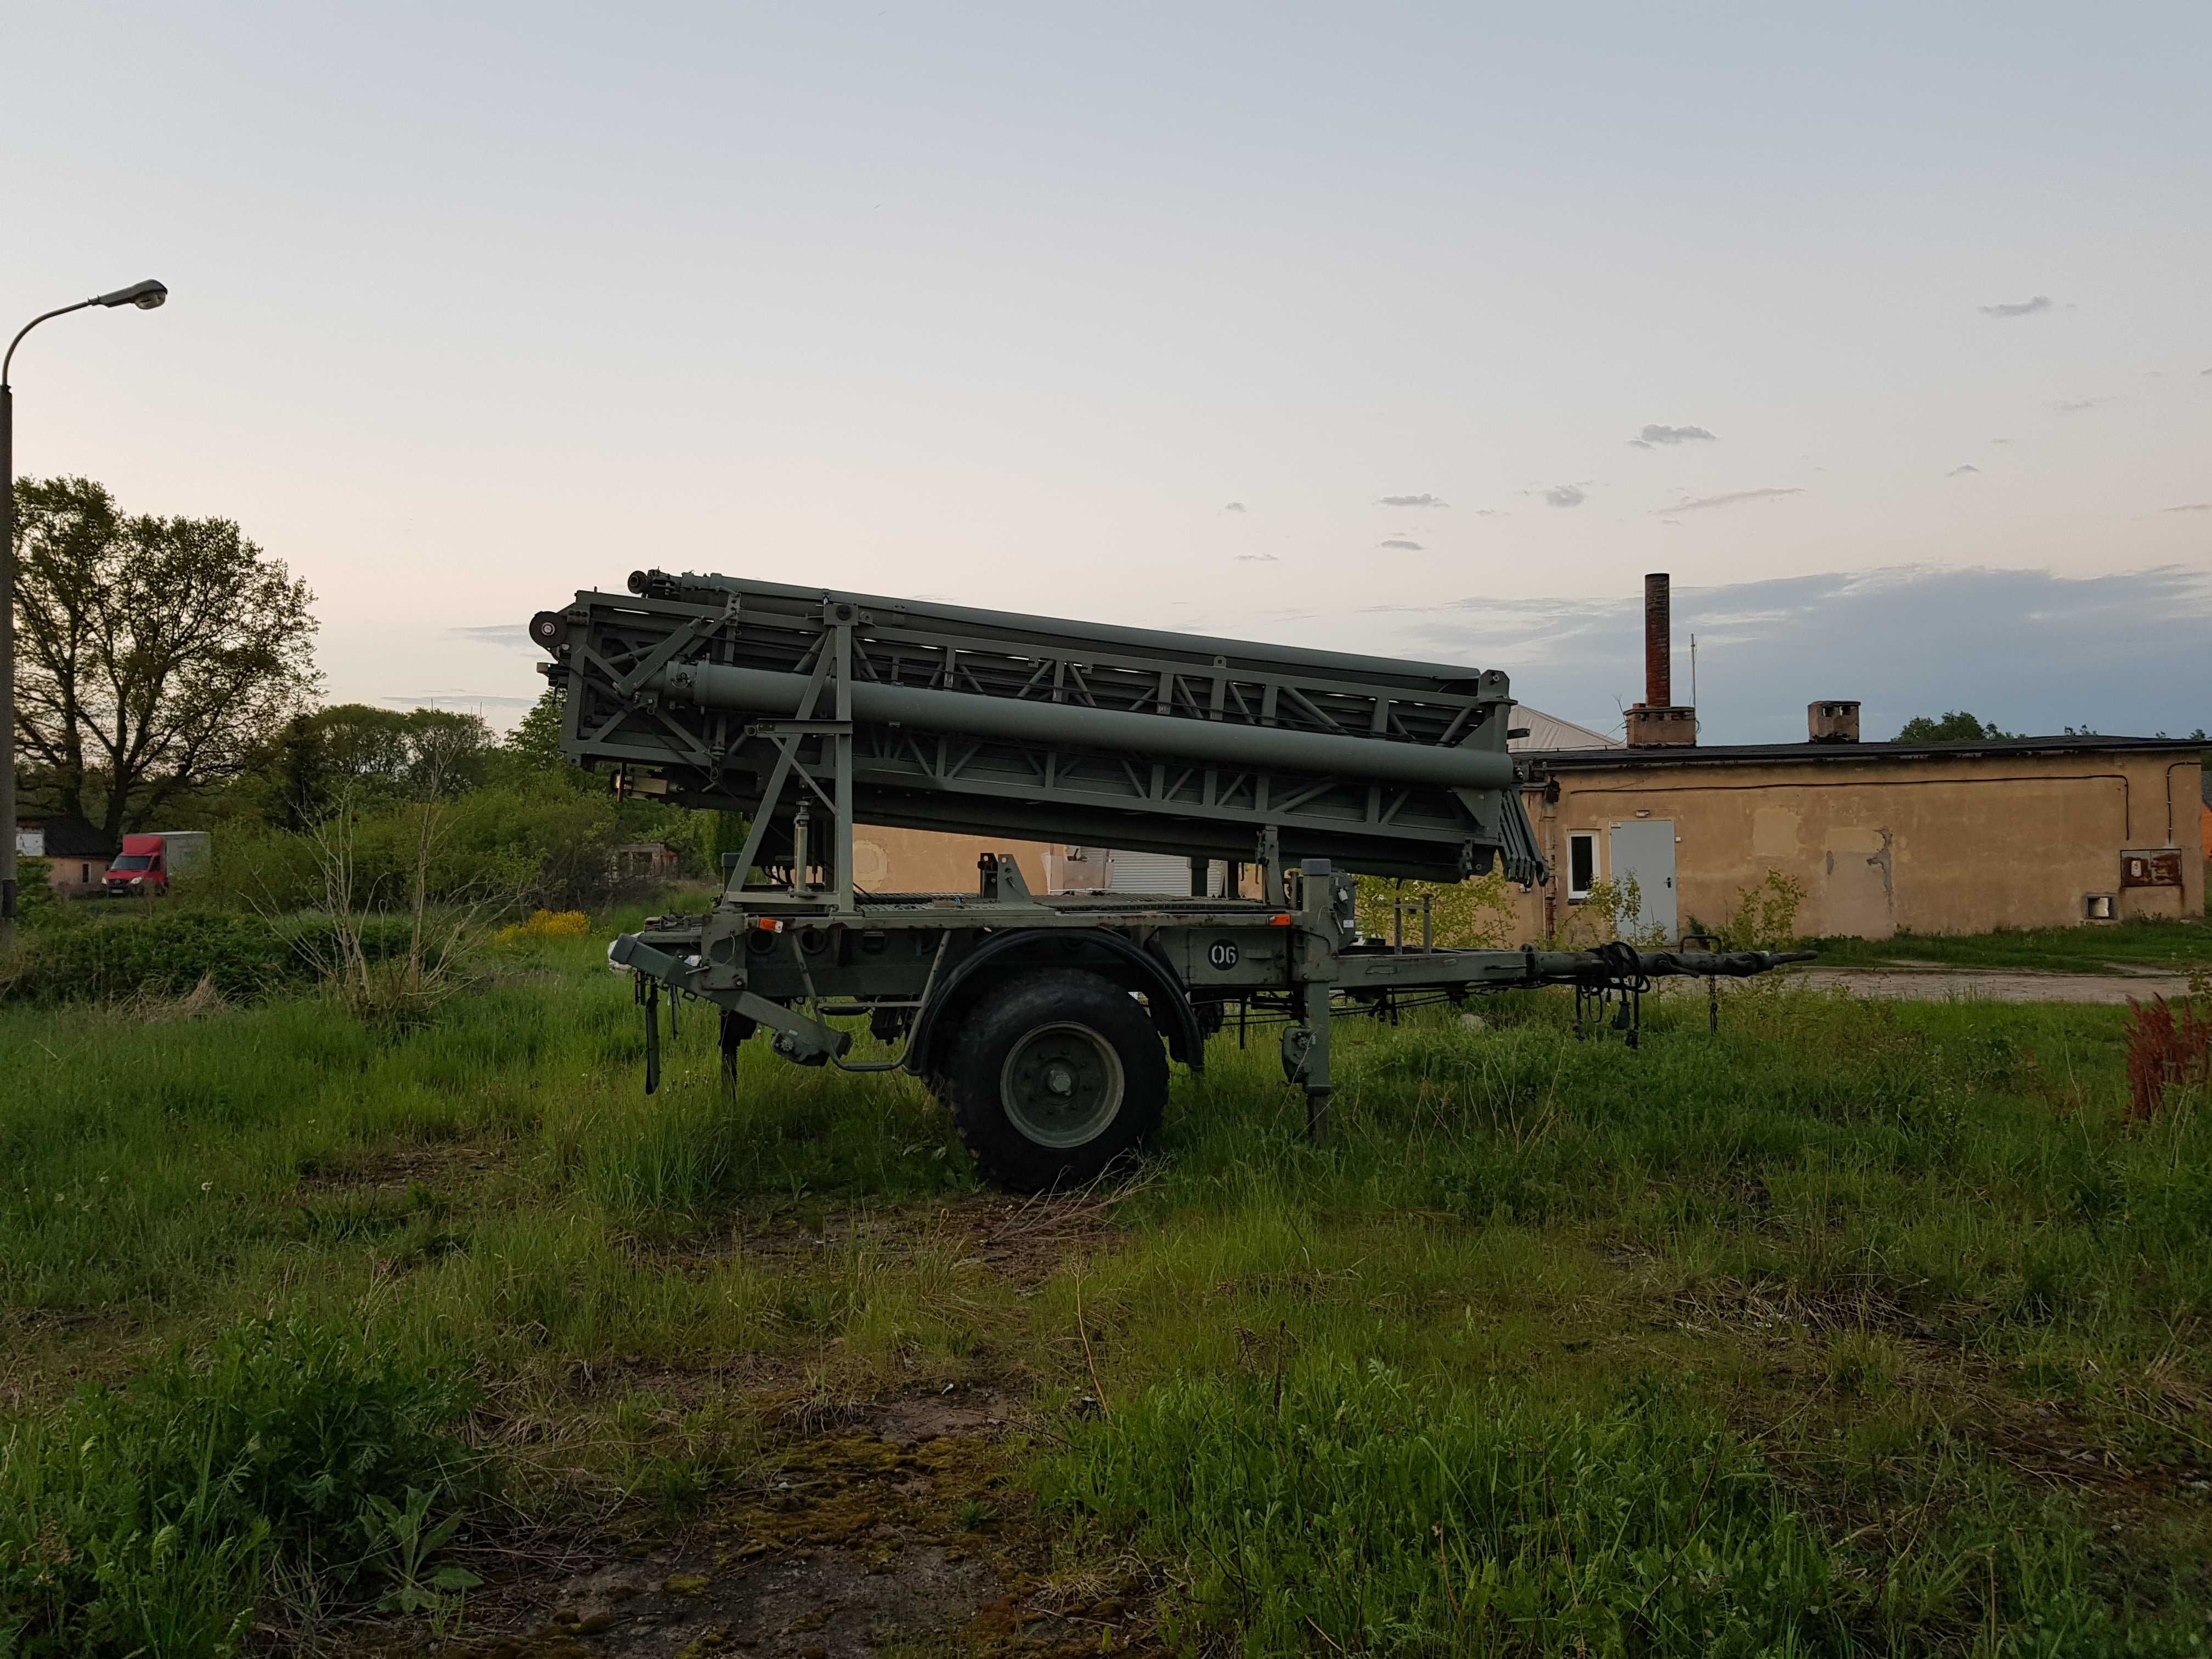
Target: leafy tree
(1957, 726)
(153, 655)
(530, 756)
(372, 758)
(536, 740)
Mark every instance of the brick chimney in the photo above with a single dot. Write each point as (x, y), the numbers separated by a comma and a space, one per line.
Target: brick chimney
(1658, 721)
(1832, 720)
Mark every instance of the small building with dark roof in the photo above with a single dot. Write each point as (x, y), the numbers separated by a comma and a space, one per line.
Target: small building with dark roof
(1883, 837)
(76, 855)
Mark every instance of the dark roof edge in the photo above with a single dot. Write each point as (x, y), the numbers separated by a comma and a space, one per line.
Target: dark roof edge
(67, 838)
(1747, 753)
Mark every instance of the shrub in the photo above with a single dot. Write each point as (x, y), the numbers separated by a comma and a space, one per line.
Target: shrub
(147, 1520)
(1611, 910)
(1764, 917)
(170, 952)
(1475, 915)
(34, 899)
(549, 847)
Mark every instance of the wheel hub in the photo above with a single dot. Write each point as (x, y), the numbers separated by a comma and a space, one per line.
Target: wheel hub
(1062, 1084)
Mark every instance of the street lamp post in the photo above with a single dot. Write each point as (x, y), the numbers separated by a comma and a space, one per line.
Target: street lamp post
(144, 295)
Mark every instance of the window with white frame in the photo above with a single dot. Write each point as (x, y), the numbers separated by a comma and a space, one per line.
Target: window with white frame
(1582, 864)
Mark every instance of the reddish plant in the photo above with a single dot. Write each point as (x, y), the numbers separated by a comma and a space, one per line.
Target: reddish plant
(2166, 1049)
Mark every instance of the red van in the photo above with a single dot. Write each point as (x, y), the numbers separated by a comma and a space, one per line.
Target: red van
(146, 863)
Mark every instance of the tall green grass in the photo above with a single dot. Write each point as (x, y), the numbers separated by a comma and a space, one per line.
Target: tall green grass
(1938, 1219)
(2178, 944)
(1893, 1264)
(1341, 1509)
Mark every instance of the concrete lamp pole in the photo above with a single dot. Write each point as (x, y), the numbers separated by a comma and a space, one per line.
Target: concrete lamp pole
(145, 295)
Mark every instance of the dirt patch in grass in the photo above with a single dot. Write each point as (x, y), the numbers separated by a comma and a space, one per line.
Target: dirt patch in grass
(1024, 1241)
(905, 1531)
(434, 1164)
(1772, 1307)
(46, 1353)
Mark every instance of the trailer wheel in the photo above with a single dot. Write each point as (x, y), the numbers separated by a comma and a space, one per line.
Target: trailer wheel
(1054, 1077)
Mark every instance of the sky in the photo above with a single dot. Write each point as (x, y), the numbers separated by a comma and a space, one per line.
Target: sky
(1886, 329)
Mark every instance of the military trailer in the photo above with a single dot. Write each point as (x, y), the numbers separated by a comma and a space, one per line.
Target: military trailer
(1045, 1023)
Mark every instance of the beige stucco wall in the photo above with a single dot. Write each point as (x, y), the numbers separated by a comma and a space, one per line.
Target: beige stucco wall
(887, 860)
(72, 877)
(1956, 845)
(1960, 844)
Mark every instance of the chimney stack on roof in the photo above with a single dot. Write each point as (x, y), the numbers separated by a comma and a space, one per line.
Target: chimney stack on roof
(1658, 720)
(1834, 720)
(1658, 640)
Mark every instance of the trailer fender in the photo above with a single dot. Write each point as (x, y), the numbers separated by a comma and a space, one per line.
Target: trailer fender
(1117, 958)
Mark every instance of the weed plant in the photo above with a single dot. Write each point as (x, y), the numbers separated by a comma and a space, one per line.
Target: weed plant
(148, 1519)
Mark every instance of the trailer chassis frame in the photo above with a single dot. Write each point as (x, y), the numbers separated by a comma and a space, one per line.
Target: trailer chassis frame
(796, 958)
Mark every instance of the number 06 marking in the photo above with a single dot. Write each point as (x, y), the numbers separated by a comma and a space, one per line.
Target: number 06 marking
(1222, 953)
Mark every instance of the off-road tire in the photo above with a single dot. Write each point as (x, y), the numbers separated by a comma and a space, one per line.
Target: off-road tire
(1054, 1077)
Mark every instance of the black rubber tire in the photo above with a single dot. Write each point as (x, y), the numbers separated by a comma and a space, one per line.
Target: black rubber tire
(1072, 1007)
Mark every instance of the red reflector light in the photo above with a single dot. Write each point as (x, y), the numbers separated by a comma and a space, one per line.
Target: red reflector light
(1279, 921)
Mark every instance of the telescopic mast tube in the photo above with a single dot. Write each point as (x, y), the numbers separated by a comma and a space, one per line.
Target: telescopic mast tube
(715, 685)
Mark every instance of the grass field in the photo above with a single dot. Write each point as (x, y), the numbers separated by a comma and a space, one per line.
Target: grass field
(1857, 1329)
(2174, 946)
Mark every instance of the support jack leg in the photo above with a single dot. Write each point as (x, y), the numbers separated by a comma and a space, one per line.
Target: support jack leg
(1314, 1072)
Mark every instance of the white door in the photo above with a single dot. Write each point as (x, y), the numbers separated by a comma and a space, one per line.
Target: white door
(1643, 848)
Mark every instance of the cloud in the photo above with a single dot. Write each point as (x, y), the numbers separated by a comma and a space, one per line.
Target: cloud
(468, 701)
(1730, 500)
(1956, 470)
(1490, 513)
(1637, 443)
(2075, 406)
(1566, 496)
(1234, 507)
(1399, 543)
(1257, 558)
(1672, 435)
(2000, 440)
(514, 634)
(1411, 501)
(1913, 640)
(2024, 308)
(2189, 507)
